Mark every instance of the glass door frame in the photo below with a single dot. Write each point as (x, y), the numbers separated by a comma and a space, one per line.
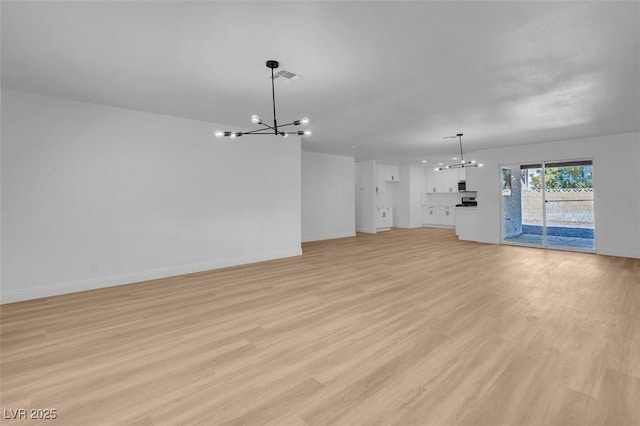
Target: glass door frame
(544, 244)
(502, 201)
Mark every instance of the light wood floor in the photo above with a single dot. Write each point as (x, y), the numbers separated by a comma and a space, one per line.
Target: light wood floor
(405, 327)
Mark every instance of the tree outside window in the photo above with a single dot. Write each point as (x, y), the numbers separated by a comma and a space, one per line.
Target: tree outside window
(562, 177)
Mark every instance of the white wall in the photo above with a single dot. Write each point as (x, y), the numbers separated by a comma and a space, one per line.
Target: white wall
(408, 202)
(94, 196)
(418, 187)
(402, 200)
(365, 196)
(616, 178)
(328, 196)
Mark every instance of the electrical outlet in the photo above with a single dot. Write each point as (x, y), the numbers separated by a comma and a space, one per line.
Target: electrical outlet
(95, 266)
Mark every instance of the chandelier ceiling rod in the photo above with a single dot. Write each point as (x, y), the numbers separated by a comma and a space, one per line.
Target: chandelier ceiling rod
(459, 135)
(269, 130)
(273, 65)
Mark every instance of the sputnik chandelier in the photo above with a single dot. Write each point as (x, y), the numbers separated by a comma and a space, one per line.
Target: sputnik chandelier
(274, 129)
(462, 163)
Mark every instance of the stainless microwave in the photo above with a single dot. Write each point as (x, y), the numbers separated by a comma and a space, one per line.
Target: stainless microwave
(462, 185)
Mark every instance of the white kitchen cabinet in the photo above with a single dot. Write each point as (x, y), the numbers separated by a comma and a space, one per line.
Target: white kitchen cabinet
(386, 173)
(435, 180)
(450, 180)
(430, 215)
(384, 218)
(442, 216)
(448, 216)
(391, 173)
(379, 218)
(442, 181)
(388, 217)
(380, 178)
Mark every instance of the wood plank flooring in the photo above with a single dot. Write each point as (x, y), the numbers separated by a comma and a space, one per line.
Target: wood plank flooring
(406, 327)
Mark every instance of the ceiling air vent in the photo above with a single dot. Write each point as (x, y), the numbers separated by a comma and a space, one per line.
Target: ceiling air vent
(286, 76)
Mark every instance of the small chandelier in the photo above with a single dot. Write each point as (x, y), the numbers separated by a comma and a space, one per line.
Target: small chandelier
(274, 129)
(462, 163)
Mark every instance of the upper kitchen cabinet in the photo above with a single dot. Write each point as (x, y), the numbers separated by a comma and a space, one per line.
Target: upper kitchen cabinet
(439, 181)
(435, 180)
(391, 173)
(451, 180)
(386, 173)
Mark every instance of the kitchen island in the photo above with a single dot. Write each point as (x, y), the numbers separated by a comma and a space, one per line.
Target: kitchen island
(467, 223)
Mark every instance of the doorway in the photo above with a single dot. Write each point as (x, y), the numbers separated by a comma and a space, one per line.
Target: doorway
(549, 205)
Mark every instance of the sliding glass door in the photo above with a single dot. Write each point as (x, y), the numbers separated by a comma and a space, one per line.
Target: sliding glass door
(569, 205)
(549, 204)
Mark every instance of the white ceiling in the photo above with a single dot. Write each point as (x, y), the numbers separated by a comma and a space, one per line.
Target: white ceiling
(391, 78)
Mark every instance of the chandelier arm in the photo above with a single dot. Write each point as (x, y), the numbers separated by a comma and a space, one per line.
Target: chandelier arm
(266, 126)
(288, 124)
(255, 132)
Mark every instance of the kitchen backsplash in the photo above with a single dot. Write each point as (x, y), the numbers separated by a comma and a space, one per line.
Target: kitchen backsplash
(443, 199)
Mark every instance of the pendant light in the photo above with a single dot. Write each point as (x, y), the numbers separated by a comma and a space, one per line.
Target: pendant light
(462, 163)
(273, 129)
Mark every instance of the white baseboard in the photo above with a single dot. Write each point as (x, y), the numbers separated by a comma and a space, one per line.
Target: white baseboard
(616, 252)
(488, 241)
(428, 225)
(327, 236)
(115, 280)
(367, 230)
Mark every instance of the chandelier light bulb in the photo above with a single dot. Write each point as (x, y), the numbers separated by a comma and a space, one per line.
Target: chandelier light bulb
(219, 133)
(304, 121)
(255, 119)
(307, 132)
